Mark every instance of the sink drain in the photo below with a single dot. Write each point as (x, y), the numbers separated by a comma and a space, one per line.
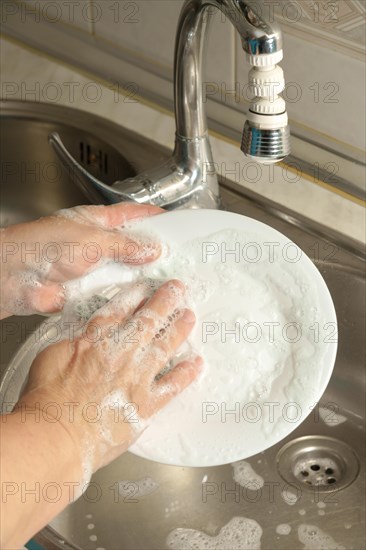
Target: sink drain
(324, 462)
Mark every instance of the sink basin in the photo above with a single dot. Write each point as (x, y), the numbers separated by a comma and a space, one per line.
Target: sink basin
(308, 491)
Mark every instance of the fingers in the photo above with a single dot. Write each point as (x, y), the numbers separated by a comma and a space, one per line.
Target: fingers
(104, 223)
(118, 214)
(41, 298)
(175, 381)
(168, 341)
(167, 298)
(155, 332)
(128, 249)
(160, 310)
(122, 305)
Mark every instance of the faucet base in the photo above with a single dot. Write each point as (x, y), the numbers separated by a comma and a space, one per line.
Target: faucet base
(187, 180)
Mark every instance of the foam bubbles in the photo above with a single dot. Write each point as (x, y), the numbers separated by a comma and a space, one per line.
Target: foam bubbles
(314, 538)
(233, 299)
(283, 529)
(239, 534)
(239, 369)
(246, 476)
(330, 417)
(289, 496)
(137, 488)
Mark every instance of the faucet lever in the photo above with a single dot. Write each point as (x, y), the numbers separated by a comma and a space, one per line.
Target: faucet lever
(171, 185)
(189, 179)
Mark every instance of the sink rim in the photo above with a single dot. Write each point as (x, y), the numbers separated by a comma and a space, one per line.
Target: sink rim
(49, 536)
(105, 128)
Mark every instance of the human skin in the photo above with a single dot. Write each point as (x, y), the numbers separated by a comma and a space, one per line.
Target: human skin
(37, 258)
(51, 445)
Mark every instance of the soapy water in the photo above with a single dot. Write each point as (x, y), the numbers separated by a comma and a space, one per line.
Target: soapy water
(314, 538)
(239, 534)
(330, 417)
(283, 529)
(231, 299)
(289, 497)
(134, 489)
(246, 476)
(224, 416)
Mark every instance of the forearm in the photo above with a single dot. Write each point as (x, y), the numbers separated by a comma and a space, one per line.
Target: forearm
(40, 475)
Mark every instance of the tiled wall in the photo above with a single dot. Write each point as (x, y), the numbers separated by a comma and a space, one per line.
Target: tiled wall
(323, 64)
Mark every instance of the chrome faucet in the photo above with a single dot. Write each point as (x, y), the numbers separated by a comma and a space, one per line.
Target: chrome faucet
(188, 178)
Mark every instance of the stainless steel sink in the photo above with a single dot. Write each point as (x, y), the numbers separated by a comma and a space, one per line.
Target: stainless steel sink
(322, 462)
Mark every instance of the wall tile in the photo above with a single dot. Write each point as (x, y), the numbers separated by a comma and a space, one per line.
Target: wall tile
(148, 28)
(313, 201)
(144, 27)
(339, 24)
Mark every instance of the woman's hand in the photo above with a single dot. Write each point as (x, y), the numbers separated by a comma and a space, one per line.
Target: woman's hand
(37, 258)
(104, 383)
(86, 401)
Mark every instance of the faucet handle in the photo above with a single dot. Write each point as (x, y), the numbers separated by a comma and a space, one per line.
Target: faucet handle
(95, 190)
(186, 180)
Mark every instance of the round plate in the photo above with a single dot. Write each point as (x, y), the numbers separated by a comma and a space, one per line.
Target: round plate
(266, 327)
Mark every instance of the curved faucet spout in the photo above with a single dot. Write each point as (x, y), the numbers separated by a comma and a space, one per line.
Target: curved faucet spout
(259, 39)
(188, 179)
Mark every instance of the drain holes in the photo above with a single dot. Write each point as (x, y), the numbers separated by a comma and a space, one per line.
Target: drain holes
(314, 461)
(318, 472)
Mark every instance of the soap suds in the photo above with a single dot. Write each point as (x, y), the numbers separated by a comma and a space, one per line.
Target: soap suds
(251, 349)
(239, 534)
(246, 476)
(289, 496)
(248, 314)
(283, 529)
(330, 417)
(313, 538)
(137, 488)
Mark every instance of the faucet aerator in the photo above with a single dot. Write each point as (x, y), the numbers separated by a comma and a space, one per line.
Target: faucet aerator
(266, 146)
(188, 179)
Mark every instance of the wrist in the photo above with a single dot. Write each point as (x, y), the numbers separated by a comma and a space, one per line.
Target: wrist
(87, 433)
(44, 422)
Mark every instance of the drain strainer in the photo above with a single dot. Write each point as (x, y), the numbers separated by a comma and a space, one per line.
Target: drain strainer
(324, 462)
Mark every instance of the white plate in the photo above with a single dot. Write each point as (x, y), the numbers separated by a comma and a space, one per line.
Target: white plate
(254, 391)
(262, 379)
